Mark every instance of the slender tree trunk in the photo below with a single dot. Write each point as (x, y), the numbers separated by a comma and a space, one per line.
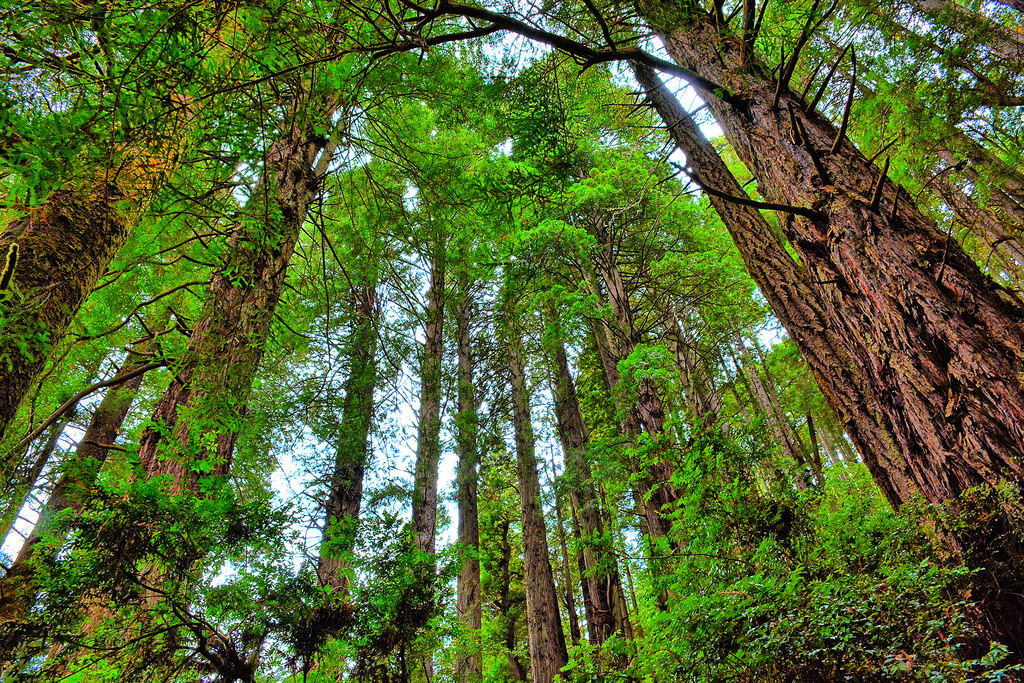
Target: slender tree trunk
(428, 446)
(940, 345)
(796, 448)
(835, 457)
(769, 407)
(999, 39)
(547, 641)
(1007, 248)
(20, 485)
(814, 454)
(654, 492)
(18, 589)
(567, 582)
(505, 603)
(341, 518)
(702, 401)
(602, 587)
(469, 606)
(593, 635)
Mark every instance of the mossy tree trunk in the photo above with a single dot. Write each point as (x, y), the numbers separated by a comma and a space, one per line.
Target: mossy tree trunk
(938, 344)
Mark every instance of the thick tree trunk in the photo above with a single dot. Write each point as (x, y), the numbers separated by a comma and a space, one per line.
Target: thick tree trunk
(953, 341)
(802, 309)
(65, 245)
(18, 589)
(469, 606)
(602, 588)
(428, 445)
(58, 253)
(940, 345)
(213, 379)
(547, 641)
(341, 517)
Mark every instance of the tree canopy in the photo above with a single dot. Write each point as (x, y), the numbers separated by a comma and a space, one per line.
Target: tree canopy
(584, 341)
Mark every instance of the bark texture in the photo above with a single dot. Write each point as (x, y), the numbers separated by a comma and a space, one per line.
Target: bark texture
(939, 344)
(469, 606)
(547, 641)
(212, 381)
(801, 307)
(602, 589)
(353, 444)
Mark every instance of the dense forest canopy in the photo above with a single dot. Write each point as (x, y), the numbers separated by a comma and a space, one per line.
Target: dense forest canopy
(670, 340)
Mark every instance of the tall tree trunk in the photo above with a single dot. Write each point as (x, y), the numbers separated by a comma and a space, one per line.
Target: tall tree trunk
(940, 345)
(793, 445)
(804, 311)
(953, 340)
(65, 245)
(341, 516)
(702, 401)
(567, 582)
(547, 641)
(20, 484)
(18, 589)
(505, 603)
(768, 406)
(602, 587)
(814, 454)
(654, 492)
(213, 379)
(428, 445)
(469, 606)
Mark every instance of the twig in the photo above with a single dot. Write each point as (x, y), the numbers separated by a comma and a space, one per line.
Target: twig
(838, 142)
(876, 195)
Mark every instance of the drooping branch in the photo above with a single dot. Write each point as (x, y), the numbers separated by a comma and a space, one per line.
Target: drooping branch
(71, 402)
(587, 54)
(747, 201)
